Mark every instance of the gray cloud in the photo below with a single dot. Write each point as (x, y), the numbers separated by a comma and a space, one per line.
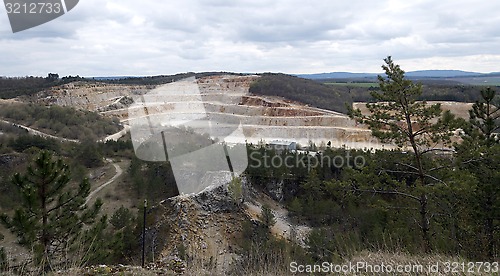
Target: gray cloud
(124, 37)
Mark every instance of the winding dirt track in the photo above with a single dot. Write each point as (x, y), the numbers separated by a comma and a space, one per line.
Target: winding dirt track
(119, 172)
(118, 169)
(33, 131)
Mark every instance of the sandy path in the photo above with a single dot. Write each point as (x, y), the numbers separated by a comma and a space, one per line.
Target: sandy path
(119, 172)
(33, 131)
(118, 135)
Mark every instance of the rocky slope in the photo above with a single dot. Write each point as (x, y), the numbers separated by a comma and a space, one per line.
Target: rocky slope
(204, 230)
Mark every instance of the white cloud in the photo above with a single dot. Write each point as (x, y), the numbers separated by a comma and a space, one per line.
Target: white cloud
(124, 37)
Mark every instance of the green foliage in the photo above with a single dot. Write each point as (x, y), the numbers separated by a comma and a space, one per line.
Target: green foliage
(485, 118)
(479, 153)
(267, 217)
(7, 128)
(152, 180)
(65, 122)
(260, 171)
(25, 142)
(377, 206)
(52, 215)
(328, 245)
(302, 90)
(90, 247)
(262, 252)
(125, 236)
(121, 218)
(421, 199)
(431, 90)
(13, 87)
(9, 194)
(123, 148)
(88, 153)
(398, 116)
(26, 86)
(370, 208)
(235, 188)
(295, 207)
(4, 263)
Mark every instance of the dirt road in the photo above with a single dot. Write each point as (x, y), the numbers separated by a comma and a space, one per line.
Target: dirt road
(119, 172)
(33, 131)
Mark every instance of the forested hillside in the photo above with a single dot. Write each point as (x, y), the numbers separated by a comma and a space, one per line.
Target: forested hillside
(431, 90)
(301, 90)
(25, 86)
(64, 122)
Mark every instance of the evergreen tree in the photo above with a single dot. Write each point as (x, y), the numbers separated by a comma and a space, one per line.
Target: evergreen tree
(235, 189)
(89, 154)
(398, 117)
(267, 217)
(485, 118)
(125, 242)
(52, 214)
(480, 154)
(3, 259)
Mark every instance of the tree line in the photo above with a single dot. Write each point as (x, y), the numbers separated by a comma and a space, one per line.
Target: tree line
(11, 87)
(431, 91)
(301, 90)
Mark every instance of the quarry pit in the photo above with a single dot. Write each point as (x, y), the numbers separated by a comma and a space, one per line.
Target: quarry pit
(225, 98)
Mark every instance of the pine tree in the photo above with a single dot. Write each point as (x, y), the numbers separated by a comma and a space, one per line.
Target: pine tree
(399, 117)
(267, 217)
(3, 259)
(485, 118)
(480, 154)
(235, 189)
(52, 215)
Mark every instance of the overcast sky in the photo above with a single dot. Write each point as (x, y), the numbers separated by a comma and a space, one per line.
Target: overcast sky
(146, 37)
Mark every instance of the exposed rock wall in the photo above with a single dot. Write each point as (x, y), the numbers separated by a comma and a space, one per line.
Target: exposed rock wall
(202, 227)
(227, 103)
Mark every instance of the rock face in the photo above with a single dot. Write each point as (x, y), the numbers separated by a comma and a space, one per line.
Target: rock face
(93, 96)
(198, 228)
(217, 200)
(225, 98)
(275, 189)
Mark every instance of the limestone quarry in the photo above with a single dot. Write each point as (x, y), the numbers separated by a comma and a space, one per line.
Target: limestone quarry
(225, 98)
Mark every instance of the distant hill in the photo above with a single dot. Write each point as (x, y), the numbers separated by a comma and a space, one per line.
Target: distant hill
(338, 75)
(441, 74)
(411, 74)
